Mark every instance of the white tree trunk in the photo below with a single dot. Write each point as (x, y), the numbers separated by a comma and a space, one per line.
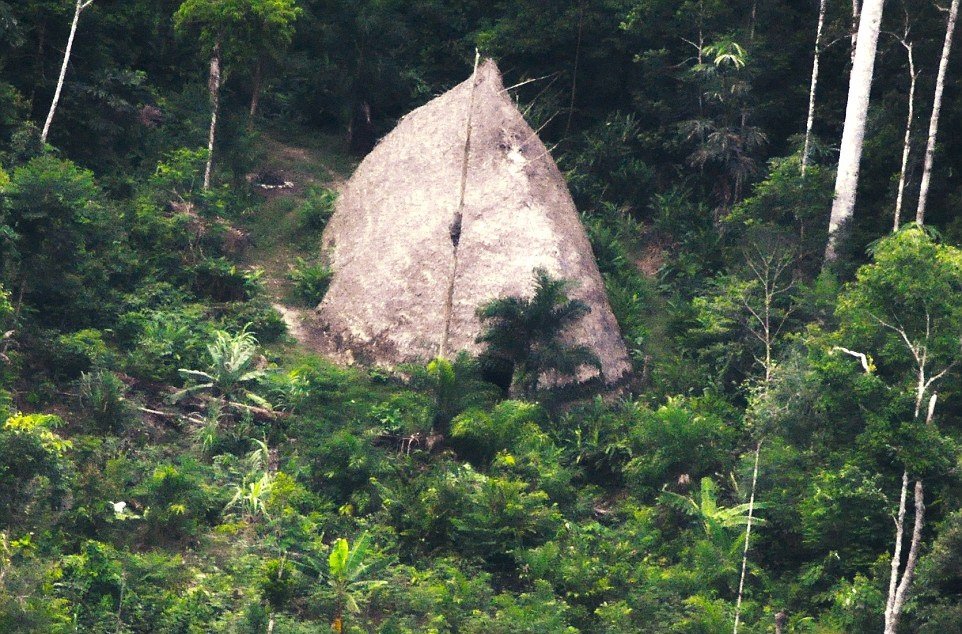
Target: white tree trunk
(213, 85)
(853, 135)
(896, 600)
(897, 551)
(856, 14)
(748, 534)
(810, 123)
(907, 140)
(78, 9)
(936, 111)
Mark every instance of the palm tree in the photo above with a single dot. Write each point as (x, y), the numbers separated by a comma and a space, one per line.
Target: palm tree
(725, 144)
(526, 334)
(231, 370)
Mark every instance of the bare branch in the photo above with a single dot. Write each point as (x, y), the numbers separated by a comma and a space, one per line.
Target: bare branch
(858, 355)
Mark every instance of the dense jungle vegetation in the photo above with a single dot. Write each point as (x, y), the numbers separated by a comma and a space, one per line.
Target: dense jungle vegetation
(786, 456)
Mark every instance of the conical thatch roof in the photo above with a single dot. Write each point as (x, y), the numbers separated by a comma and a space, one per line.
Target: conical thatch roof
(436, 222)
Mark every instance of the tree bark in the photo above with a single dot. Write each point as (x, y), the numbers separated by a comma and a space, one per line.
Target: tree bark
(213, 86)
(78, 9)
(810, 122)
(896, 600)
(256, 89)
(748, 534)
(936, 111)
(853, 135)
(574, 71)
(897, 551)
(907, 140)
(856, 14)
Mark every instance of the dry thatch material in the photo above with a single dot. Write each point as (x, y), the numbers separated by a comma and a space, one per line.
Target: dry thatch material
(457, 206)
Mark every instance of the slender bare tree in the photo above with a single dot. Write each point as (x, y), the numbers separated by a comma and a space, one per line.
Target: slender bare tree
(748, 535)
(936, 111)
(213, 86)
(856, 14)
(908, 45)
(78, 9)
(853, 134)
(810, 122)
(767, 311)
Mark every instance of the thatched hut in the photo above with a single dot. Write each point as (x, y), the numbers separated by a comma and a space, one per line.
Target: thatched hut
(457, 206)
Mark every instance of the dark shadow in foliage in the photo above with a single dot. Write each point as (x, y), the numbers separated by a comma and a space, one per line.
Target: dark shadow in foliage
(455, 386)
(525, 335)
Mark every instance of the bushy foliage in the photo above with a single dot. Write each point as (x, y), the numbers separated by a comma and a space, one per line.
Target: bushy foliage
(310, 282)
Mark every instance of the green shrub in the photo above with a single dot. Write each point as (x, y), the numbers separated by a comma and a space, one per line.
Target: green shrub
(310, 282)
(222, 281)
(682, 437)
(480, 435)
(260, 318)
(165, 341)
(33, 464)
(176, 502)
(68, 242)
(78, 352)
(179, 176)
(101, 395)
(314, 213)
(502, 516)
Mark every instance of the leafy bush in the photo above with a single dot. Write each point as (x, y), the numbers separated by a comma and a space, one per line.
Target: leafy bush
(33, 463)
(682, 437)
(101, 394)
(502, 516)
(479, 435)
(317, 209)
(222, 281)
(78, 352)
(179, 176)
(68, 242)
(163, 341)
(231, 369)
(260, 318)
(455, 386)
(310, 282)
(176, 502)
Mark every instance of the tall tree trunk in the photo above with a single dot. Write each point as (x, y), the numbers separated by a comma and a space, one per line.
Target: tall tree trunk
(38, 64)
(213, 86)
(853, 135)
(810, 122)
(78, 9)
(898, 588)
(898, 594)
(748, 534)
(256, 89)
(936, 111)
(856, 14)
(574, 70)
(907, 140)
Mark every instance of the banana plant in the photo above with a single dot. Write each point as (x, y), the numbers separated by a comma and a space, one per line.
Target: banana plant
(715, 519)
(347, 567)
(254, 491)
